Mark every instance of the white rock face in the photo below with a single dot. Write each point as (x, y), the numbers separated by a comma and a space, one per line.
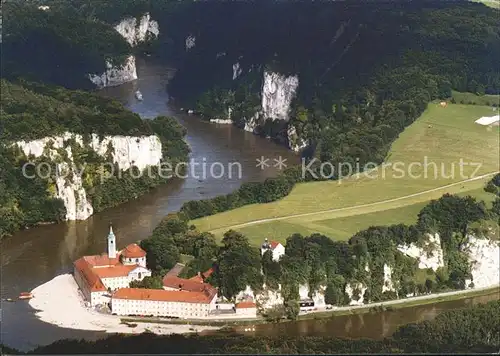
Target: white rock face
(318, 297)
(277, 94)
(432, 259)
(138, 31)
(128, 151)
(115, 75)
(134, 32)
(294, 142)
(484, 256)
(269, 298)
(350, 292)
(388, 286)
(251, 124)
(190, 42)
(236, 70)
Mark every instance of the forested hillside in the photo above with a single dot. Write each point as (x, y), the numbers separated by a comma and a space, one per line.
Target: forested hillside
(60, 45)
(365, 71)
(473, 329)
(32, 111)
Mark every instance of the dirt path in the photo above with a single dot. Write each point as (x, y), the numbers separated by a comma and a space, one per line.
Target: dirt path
(260, 221)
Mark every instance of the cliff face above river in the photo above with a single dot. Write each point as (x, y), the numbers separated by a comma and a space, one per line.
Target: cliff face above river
(124, 151)
(135, 31)
(67, 154)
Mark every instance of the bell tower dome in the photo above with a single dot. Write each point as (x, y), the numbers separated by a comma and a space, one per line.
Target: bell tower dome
(111, 243)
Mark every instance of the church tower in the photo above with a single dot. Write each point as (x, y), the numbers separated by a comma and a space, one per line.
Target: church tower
(111, 243)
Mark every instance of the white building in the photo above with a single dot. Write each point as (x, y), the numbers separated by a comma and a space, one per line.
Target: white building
(246, 309)
(277, 248)
(98, 275)
(166, 303)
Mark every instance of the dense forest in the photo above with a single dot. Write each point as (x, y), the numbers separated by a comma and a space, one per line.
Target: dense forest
(59, 46)
(32, 110)
(365, 71)
(472, 329)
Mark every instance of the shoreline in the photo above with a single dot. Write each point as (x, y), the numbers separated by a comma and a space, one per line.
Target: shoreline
(338, 311)
(59, 302)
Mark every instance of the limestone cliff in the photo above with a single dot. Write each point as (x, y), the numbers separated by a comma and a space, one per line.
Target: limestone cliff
(115, 75)
(277, 94)
(126, 151)
(134, 31)
(483, 255)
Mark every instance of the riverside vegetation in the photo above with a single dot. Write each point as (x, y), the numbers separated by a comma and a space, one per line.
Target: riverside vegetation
(472, 329)
(317, 260)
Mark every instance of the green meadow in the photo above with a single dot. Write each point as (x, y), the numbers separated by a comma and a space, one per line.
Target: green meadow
(443, 151)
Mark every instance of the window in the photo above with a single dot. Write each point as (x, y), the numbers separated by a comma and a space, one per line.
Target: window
(136, 260)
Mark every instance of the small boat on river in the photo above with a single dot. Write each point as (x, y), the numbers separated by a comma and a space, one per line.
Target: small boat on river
(25, 295)
(138, 95)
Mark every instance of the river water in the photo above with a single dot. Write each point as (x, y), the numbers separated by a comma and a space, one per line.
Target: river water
(35, 256)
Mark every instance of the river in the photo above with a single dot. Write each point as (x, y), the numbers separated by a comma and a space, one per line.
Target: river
(32, 257)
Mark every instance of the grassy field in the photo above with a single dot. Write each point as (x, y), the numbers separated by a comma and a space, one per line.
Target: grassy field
(392, 193)
(491, 3)
(473, 99)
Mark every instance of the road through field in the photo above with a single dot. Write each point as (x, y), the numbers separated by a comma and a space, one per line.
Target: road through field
(261, 221)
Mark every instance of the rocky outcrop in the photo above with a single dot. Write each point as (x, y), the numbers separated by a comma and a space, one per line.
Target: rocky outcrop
(190, 42)
(356, 293)
(484, 256)
(126, 151)
(115, 75)
(277, 94)
(388, 285)
(236, 70)
(136, 31)
(318, 296)
(294, 142)
(429, 255)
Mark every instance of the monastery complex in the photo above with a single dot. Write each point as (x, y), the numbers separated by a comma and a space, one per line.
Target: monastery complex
(105, 280)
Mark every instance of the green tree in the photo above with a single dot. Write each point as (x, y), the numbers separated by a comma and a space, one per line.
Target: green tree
(153, 282)
(238, 265)
(162, 253)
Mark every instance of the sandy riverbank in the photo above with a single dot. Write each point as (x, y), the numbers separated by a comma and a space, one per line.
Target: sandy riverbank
(58, 302)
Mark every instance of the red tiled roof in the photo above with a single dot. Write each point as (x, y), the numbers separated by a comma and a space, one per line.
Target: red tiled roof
(102, 260)
(242, 305)
(208, 273)
(93, 281)
(133, 251)
(200, 277)
(185, 284)
(197, 278)
(163, 295)
(114, 271)
(274, 244)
